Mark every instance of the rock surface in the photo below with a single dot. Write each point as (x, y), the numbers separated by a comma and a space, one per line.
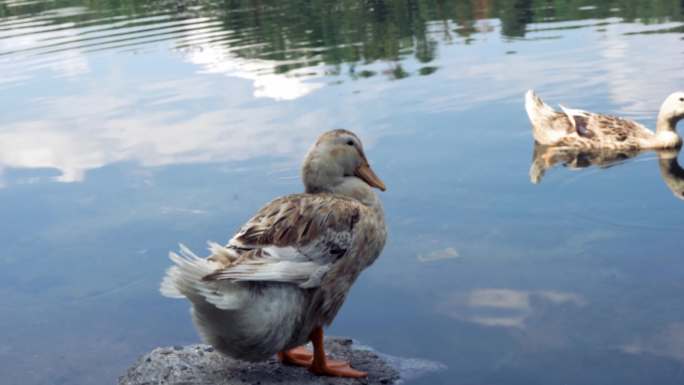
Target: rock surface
(202, 365)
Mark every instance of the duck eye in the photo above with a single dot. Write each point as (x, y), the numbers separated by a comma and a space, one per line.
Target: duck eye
(350, 142)
(681, 99)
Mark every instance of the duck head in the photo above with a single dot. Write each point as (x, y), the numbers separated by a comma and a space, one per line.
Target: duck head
(335, 161)
(671, 111)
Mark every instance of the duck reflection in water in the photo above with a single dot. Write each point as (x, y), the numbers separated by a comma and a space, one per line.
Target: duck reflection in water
(671, 172)
(545, 158)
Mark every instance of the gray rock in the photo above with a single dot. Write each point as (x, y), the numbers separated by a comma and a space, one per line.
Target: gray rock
(202, 365)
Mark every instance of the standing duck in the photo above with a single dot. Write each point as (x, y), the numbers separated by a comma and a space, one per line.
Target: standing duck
(587, 130)
(287, 271)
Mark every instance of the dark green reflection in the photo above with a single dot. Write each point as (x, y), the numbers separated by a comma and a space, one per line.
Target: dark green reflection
(301, 33)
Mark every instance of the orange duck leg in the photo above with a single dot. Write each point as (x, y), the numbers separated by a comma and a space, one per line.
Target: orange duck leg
(317, 362)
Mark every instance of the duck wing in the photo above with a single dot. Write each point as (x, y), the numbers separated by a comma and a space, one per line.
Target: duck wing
(616, 129)
(293, 239)
(579, 120)
(605, 128)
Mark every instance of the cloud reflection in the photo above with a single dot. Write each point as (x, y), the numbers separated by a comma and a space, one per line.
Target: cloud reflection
(262, 73)
(504, 307)
(83, 132)
(669, 342)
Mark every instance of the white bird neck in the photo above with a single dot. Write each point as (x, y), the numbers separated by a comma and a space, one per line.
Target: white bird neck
(666, 129)
(319, 174)
(318, 181)
(667, 117)
(666, 123)
(356, 188)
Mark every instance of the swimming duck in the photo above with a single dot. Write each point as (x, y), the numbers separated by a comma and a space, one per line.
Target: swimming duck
(287, 271)
(582, 129)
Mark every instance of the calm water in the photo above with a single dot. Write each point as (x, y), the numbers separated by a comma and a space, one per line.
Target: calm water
(127, 127)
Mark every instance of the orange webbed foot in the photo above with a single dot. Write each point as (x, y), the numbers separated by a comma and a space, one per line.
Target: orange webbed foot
(322, 366)
(298, 356)
(337, 369)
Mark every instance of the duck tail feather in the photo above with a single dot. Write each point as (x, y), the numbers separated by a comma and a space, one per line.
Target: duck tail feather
(543, 118)
(180, 279)
(538, 111)
(186, 280)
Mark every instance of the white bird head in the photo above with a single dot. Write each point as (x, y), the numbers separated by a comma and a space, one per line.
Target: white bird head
(673, 107)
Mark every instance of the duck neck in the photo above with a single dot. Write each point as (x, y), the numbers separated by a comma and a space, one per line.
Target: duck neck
(666, 123)
(319, 175)
(666, 131)
(357, 189)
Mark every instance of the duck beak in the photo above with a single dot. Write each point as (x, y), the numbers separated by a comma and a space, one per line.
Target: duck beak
(367, 175)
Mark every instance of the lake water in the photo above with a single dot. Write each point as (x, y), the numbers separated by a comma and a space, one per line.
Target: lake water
(127, 127)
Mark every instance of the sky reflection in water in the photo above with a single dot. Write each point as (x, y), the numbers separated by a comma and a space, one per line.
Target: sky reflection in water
(127, 128)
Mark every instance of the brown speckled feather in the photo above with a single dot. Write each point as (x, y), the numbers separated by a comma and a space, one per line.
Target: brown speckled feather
(296, 220)
(604, 131)
(293, 239)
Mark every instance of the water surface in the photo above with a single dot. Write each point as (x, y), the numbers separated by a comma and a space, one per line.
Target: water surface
(127, 127)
